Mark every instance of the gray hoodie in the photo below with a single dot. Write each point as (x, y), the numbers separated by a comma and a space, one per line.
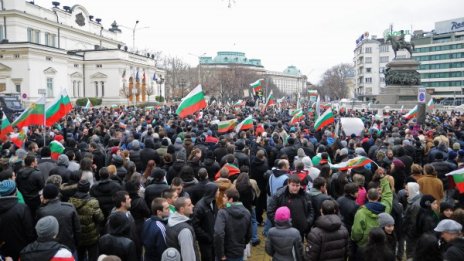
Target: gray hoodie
(185, 237)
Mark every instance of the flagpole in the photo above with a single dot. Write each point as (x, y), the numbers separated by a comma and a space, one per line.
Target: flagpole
(45, 122)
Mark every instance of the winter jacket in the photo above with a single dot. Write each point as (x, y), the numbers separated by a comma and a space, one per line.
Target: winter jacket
(62, 171)
(45, 166)
(180, 235)
(232, 230)
(103, 191)
(426, 221)
(147, 154)
(456, 251)
(116, 243)
(366, 217)
(196, 191)
(348, 208)
(140, 212)
(30, 181)
(67, 190)
(442, 168)
(204, 215)
(154, 190)
(90, 217)
(66, 214)
(134, 156)
(431, 185)
(284, 243)
(328, 239)
(212, 167)
(16, 226)
(277, 180)
(46, 250)
(242, 158)
(257, 169)
(317, 197)
(300, 206)
(154, 238)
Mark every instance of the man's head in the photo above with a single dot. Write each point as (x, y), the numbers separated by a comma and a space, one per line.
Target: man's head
(47, 228)
(184, 206)
(231, 195)
(30, 161)
(449, 229)
(177, 184)
(160, 208)
(103, 172)
(351, 189)
(294, 184)
(170, 195)
(329, 207)
(283, 164)
(320, 184)
(373, 195)
(122, 201)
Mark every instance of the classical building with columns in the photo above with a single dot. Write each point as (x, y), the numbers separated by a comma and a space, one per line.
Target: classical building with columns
(43, 50)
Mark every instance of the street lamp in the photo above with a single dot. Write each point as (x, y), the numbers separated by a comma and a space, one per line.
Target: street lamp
(160, 81)
(133, 32)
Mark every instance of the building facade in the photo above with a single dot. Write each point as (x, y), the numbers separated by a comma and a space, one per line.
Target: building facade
(441, 54)
(43, 50)
(290, 81)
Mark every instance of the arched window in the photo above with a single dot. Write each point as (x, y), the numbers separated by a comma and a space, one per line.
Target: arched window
(102, 83)
(96, 89)
(74, 88)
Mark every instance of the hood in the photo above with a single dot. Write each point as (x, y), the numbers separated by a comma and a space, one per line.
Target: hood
(123, 227)
(6, 203)
(413, 191)
(176, 218)
(375, 207)
(25, 172)
(314, 192)
(329, 222)
(257, 162)
(278, 172)
(208, 162)
(223, 183)
(210, 190)
(236, 210)
(78, 200)
(105, 186)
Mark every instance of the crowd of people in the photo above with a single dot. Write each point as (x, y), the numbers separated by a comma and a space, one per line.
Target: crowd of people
(134, 184)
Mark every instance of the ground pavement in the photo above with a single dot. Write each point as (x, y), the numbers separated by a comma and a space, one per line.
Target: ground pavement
(257, 252)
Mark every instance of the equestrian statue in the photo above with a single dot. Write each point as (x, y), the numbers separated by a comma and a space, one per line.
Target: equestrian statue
(398, 42)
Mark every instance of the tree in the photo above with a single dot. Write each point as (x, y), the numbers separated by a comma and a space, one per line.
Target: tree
(125, 92)
(149, 90)
(334, 83)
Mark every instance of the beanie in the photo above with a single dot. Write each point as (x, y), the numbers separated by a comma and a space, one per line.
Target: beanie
(7, 188)
(83, 186)
(170, 254)
(63, 160)
(47, 227)
(282, 214)
(50, 191)
(385, 219)
(426, 201)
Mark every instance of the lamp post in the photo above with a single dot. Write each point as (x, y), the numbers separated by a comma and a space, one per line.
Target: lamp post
(133, 32)
(160, 81)
(182, 85)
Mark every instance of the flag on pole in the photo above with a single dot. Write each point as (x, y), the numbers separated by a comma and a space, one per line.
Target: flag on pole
(137, 77)
(431, 105)
(5, 128)
(312, 92)
(324, 120)
(19, 138)
(56, 148)
(193, 102)
(458, 177)
(318, 106)
(269, 101)
(225, 126)
(257, 86)
(88, 104)
(297, 117)
(33, 115)
(246, 124)
(411, 114)
(65, 101)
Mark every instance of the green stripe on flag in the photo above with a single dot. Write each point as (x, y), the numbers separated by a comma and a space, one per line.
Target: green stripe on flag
(196, 98)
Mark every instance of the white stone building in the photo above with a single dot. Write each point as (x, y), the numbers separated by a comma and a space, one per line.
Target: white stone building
(291, 81)
(50, 49)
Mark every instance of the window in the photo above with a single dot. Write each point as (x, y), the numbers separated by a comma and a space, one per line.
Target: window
(99, 66)
(382, 79)
(368, 49)
(16, 55)
(368, 80)
(384, 48)
(50, 39)
(368, 60)
(368, 70)
(18, 88)
(1, 32)
(50, 87)
(76, 65)
(78, 88)
(74, 88)
(48, 58)
(102, 88)
(384, 59)
(33, 35)
(96, 89)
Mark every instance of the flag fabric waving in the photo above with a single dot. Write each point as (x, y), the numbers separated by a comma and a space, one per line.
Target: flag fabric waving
(225, 126)
(297, 117)
(60, 107)
(431, 104)
(193, 102)
(33, 115)
(458, 177)
(312, 92)
(269, 101)
(257, 86)
(88, 104)
(5, 128)
(324, 120)
(411, 114)
(56, 148)
(356, 162)
(19, 138)
(233, 170)
(246, 124)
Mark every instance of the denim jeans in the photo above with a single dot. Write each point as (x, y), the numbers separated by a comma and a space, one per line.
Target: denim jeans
(254, 226)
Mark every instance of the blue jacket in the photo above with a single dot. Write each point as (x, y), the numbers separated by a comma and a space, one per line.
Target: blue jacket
(154, 238)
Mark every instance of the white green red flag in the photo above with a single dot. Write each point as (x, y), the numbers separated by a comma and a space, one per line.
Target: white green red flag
(233, 170)
(5, 128)
(257, 86)
(312, 92)
(431, 104)
(240, 103)
(33, 115)
(246, 124)
(324, 120)
(458, 177)
(60, 107)
(56, 148)
(19, 138)
(269, 101)
(193, 102)
(356, 162)
(89, 104)
(297, 117)
(225, 126)
(411, 114)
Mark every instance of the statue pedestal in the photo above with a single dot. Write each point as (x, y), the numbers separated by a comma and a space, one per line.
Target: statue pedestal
(402, 81)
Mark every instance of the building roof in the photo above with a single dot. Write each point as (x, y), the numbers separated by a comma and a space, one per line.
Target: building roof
(228, 57)
(292, 70)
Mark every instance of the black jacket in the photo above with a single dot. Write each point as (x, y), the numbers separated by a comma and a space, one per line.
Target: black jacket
(232, 231)
(154, 190)
(257, 170)
(103, 191)
(328, 239)
(65, 213)
(16, 226)
(40, 250)
(116, 243)
(30, 181)
(455, 252)
(62, 171)
(212, 167)
(205, 214)
(196, 191)
(442, 168)
(348, 208)
(242, 158)
(290, 151)
(135, 157)
(147, 154)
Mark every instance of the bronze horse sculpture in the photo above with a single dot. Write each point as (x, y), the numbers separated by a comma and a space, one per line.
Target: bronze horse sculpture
(398, 43)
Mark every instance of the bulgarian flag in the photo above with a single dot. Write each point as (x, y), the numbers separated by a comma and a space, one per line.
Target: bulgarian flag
(239, 103)
(356, 162)
(233, 170)
(5, 128)
(89, 104)
(431, 104)
(312, 92)
(56, 148)
(297, 117)
(34, 115)
(19, 138)
(225, 126)
(66, 102)
(458, 177)
(269, 101)
(324, 120)
(257, 86)
(246, 124)
(193, 102)
(411, 114)
(58, 109)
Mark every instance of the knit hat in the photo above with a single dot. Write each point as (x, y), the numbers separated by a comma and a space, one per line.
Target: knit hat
(446, 205)
(448, 225)
(385, 219)
(282, 214)
(59, 137)
(180, 156)
(426, 201)
(63, 160)
(170, 254)
(50, 191)
(83, 186)
(47, 227)
(7, 188)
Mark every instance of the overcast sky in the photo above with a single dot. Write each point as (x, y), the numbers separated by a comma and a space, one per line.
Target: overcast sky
(310, 34)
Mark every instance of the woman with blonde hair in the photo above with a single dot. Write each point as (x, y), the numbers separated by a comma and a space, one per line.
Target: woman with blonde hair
(416, 173)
